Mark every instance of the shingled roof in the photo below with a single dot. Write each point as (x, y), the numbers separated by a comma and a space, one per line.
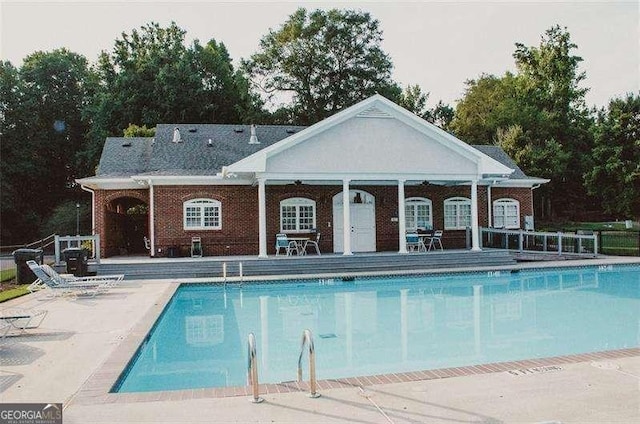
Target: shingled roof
(203, 150)
(196, 155)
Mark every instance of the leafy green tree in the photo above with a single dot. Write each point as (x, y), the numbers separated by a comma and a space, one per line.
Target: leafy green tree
(539, 117)
(615, 175)
(134, 130)
(43, 131)
(414, 100)
(152, 77)
(324, 61)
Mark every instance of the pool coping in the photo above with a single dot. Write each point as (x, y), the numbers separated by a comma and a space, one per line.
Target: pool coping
(96, 390)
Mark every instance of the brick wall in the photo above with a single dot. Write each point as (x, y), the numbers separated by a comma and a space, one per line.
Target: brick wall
(239, 232)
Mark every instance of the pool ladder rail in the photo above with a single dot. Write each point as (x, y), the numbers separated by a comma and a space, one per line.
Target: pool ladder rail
(240, 273)
(252, 366)
(307, 339)
(252, 369)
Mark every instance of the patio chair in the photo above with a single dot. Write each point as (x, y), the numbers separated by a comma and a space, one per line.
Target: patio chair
(435, 240)
(314, 243)
(21, 319)
(283, 242)
(413, 242)
(107, 280)
(196, 247)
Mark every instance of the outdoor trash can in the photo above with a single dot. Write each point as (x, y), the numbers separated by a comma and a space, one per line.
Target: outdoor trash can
(24, 275)
(77, 261)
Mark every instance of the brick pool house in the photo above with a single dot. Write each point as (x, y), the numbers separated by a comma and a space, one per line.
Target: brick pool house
(361, 178)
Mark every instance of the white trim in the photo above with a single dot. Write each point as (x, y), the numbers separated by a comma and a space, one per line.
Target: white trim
(297, 202)
(201, 204)
(456, 201)
(506, 201)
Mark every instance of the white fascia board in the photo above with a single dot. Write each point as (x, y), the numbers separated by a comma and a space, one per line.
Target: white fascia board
(373, 177)
(123, 183)
(523, 182)
(173, 180)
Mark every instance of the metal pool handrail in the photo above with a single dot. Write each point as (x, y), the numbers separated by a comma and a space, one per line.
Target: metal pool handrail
(252, 369)
(307, 339)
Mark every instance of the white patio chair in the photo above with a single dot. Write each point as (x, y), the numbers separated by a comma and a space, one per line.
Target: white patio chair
(75, 286)
(435, 240)
(413, 242)
(283, 242)
(313, 243)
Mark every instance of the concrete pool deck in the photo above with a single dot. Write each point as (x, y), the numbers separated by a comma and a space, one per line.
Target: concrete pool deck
(61, 360)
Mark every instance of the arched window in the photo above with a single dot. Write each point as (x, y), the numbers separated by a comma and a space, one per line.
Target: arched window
(457, 213)
(297, 215)
(418, 215)
(202, 214)
(506, 213)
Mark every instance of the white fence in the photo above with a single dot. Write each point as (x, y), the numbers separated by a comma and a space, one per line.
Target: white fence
(91, 243)
(531, 241)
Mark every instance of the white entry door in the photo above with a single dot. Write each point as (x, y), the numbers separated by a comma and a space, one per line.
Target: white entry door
(363, 226)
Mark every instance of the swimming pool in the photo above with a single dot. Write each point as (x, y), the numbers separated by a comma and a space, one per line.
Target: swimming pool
(385, 325)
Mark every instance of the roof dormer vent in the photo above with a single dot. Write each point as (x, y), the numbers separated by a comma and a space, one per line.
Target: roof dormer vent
(126, 143)
(193, 130)
(290, 131)
(210, 143)
(238, 129)
(177, 138)
(254, 138)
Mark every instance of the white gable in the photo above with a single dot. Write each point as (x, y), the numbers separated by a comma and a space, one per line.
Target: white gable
(377, 138)
(370, 145)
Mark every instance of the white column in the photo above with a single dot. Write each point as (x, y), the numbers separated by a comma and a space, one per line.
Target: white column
(152, 221)
(489, 208)
(475, 239)
(262, 219)
(402, 223)
(346, 213)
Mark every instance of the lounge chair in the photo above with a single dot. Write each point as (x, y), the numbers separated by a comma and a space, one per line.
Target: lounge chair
(107, 280)
(21, 319)
(75, 286)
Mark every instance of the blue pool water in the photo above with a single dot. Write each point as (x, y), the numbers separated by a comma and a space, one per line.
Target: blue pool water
(377, 326)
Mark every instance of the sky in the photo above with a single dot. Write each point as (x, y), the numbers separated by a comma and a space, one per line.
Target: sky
(437, 45)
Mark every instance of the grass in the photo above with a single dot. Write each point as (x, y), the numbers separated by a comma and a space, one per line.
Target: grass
(13, 292)
(8, 290)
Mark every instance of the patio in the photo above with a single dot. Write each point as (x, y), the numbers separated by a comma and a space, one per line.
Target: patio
(61, 360)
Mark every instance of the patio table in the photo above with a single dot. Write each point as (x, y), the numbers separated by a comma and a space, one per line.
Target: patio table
(301, 244)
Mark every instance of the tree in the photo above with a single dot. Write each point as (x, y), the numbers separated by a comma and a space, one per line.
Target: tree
(414, 100)
(43, 131)
(152, 77)
(134, 130)
(324, 61)
(538, 116)
(615, 175)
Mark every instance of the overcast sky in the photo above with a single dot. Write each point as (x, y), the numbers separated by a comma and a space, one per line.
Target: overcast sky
(437, 45)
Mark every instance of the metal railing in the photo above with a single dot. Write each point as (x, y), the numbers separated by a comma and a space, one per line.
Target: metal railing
(38, 244)
(65, 242)
(252, 369)
(307, 339)
(532, 241)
